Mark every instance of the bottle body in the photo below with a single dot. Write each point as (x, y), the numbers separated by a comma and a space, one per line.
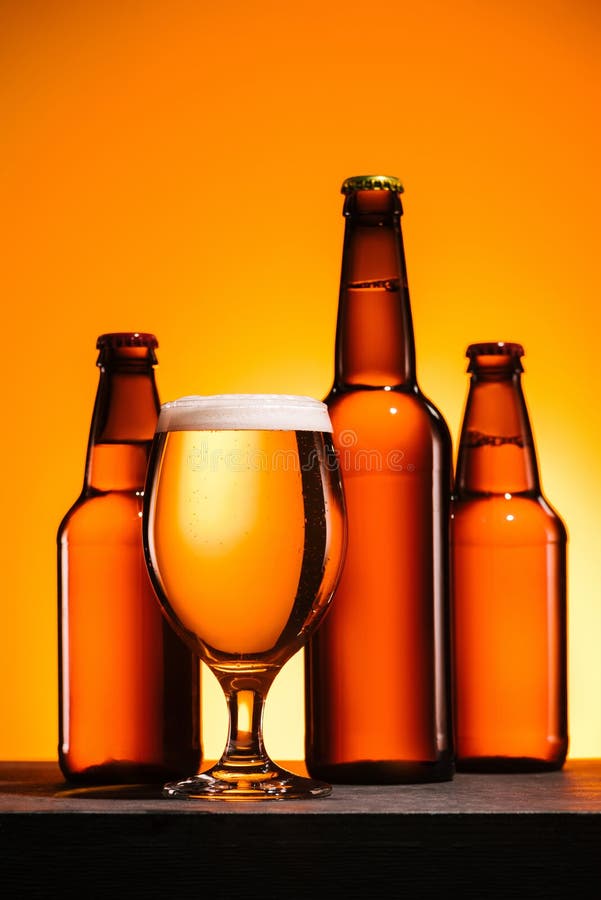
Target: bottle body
(509, 589)
(377, 673)
(128, 687)
(377, 669)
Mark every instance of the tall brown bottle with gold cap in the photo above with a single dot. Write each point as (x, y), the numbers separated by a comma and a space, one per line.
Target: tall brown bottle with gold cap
(377, 671)
(509, 594)
(128, 687)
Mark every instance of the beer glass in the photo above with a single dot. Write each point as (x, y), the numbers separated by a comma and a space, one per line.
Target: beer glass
(244, 535)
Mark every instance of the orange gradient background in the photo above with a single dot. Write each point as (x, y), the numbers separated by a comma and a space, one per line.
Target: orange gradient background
(175, 167)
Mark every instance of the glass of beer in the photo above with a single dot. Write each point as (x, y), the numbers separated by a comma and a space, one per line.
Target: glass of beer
(244, 537)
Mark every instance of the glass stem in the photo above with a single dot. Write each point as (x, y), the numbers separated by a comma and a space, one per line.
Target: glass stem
(245, 737)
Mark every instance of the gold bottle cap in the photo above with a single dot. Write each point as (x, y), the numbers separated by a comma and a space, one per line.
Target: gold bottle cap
(371, 183)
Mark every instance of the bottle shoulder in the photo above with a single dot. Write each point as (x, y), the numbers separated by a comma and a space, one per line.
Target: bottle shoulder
(114, 515)
(506, 518)
(395, 414)
(553, 514)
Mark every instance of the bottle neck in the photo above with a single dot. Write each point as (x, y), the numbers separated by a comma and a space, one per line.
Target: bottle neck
(123, 422)
(496, 447)
(374, 335)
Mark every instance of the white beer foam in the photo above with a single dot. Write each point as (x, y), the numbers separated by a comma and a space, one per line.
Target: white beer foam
(244, 412)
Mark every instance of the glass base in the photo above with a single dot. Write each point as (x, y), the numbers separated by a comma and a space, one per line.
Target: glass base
(267, 782)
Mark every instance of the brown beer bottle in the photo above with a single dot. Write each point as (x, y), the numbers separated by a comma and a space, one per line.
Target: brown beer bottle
(377, 669)
(128, 687)
(509, 582)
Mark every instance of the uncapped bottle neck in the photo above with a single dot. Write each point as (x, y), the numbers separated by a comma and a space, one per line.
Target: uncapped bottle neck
(496, 447)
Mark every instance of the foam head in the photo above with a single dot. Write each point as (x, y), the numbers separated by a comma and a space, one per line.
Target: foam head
(241, 412)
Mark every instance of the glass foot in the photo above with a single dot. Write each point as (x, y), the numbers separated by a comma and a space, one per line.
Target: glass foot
(268, 782)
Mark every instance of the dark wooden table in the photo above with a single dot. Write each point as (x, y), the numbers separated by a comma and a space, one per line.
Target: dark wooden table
(478, 836)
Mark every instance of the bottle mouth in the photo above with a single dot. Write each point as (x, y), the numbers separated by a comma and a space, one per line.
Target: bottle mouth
(491, 356)
(495, 348)
(114, 340)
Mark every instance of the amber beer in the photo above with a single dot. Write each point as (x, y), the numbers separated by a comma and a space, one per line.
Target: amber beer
(377, 679)
(128, 687)
(246, 568)
(509, 561)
